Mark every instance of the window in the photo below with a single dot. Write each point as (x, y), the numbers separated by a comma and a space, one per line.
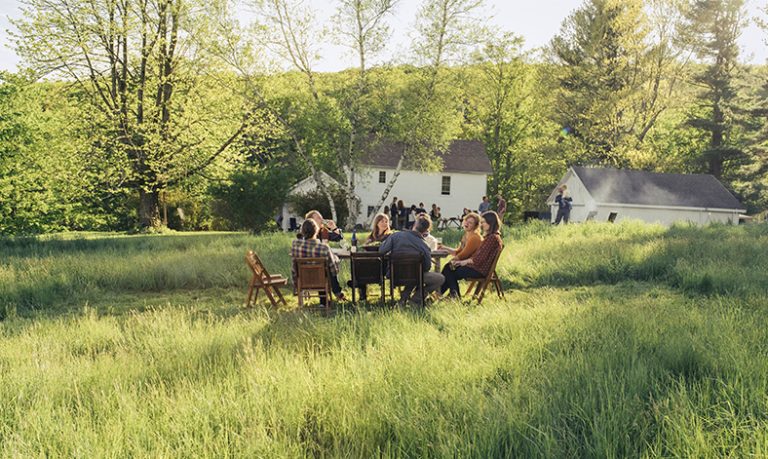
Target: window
(382, 176)
(371, 210)
(446, 186)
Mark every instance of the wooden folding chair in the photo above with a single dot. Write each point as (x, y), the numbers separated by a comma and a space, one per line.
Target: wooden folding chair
(480, 284)
(262, 280)
(367, 268)
(406, 270)
(313, 279)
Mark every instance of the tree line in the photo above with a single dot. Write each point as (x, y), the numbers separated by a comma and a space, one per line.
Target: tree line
(135, 114)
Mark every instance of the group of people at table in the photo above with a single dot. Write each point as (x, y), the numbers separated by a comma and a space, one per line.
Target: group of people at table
(473, 258)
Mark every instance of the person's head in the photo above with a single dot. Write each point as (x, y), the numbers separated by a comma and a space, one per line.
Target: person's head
(562, 188)
(471, 223)
(434, 206)
(400, 204)
(465, 211)
(422, 224)
(491, 223)
(309, 229)
(316, 216)
(485, 198)
(498, 196)
(421, 205)
(413, 206)
(386, 209)
(380, 224)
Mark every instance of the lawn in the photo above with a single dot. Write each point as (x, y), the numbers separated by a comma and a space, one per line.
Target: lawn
(622, 340)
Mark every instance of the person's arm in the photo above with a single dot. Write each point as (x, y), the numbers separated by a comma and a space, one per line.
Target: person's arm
(473, 243)
(386, 246)
(335, 235)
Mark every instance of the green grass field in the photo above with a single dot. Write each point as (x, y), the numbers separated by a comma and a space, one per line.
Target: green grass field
(613, 341)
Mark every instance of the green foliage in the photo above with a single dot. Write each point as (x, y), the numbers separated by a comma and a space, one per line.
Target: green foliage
(314, 200)
(250, 199)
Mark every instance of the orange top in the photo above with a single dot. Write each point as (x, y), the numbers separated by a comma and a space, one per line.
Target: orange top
(469, 243)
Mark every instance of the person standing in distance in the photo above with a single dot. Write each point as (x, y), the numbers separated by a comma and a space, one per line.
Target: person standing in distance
(564, 205)
(484, 206)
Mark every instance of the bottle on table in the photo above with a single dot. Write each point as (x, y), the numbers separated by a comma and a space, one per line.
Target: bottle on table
(354, 241)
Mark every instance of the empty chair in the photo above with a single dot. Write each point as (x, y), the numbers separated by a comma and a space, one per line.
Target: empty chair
(262, 280)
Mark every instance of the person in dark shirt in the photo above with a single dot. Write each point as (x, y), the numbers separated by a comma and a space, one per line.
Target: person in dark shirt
(412, 242)
(564, 205)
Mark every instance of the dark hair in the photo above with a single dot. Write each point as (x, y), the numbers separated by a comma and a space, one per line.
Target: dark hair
(309, 229)
(400, 204)
(423, 224)
(492, 218)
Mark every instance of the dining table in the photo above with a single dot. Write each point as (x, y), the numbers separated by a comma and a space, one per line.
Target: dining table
(437, 255)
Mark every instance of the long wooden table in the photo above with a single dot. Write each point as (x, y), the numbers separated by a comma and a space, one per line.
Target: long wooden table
(437, 256)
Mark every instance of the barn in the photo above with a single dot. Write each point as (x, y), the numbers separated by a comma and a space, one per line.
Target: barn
(607, 194)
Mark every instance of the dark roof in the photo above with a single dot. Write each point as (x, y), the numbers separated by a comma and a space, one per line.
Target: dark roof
(650, 188)
(462, 156)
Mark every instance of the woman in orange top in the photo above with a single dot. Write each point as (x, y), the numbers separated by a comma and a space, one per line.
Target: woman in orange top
(481, 262)
(471, 239)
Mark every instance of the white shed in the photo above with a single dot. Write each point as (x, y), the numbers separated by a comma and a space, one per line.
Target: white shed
(607, 194)
(462, 182)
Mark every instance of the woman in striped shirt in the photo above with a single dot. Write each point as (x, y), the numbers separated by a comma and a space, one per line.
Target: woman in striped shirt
(481, 262)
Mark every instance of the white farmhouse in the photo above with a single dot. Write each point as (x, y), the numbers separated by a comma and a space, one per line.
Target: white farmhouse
(606, 194)
(462, 182)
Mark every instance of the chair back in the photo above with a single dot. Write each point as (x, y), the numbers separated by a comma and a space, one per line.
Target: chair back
(367, 268)
(312, 273)
(406, 269)
(255, 264)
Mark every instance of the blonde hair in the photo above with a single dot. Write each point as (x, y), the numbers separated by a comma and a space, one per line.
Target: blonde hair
(312, 213)
(477, 221)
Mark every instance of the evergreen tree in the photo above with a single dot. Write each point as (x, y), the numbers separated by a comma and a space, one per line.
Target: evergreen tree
(711, 30)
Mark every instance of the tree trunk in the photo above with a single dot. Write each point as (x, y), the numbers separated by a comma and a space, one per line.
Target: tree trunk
(149, 209)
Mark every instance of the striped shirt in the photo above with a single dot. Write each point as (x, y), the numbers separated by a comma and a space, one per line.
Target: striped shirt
(313, 248)
(482, 260)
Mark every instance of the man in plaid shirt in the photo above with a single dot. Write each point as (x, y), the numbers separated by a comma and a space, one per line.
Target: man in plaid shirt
(309, 246)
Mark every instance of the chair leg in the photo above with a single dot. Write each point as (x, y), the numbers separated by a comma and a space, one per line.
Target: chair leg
(280, 295)
(269, 295)
(250, 294)
(470, 286)
(301, 297)
(484, 286)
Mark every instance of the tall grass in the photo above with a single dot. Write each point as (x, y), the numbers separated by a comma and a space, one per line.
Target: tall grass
(578, 361)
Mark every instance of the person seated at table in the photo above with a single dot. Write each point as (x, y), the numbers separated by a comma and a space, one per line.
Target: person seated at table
(309, 246)
(470, 240)
(411, 242)
(434, 214)
(328, 229)
(380, 229)
(480, 263)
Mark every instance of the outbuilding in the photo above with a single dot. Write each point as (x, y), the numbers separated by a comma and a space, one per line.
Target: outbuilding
(608, 194)
(461, 183)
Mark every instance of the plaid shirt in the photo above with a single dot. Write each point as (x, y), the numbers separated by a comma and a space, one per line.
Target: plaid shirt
(313, 248)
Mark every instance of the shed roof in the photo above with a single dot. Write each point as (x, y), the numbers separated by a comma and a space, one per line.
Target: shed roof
(462, 156)
(623, 186)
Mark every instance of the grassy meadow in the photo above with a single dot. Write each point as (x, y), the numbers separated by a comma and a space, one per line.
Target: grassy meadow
(625, 340)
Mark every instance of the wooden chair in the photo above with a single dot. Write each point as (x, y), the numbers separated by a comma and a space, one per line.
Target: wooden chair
(262, 280)
(367, 268)
(480, 284)
(405, 270)
(313, 279)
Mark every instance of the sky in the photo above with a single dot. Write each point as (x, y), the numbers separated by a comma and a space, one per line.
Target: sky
(537, 21)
